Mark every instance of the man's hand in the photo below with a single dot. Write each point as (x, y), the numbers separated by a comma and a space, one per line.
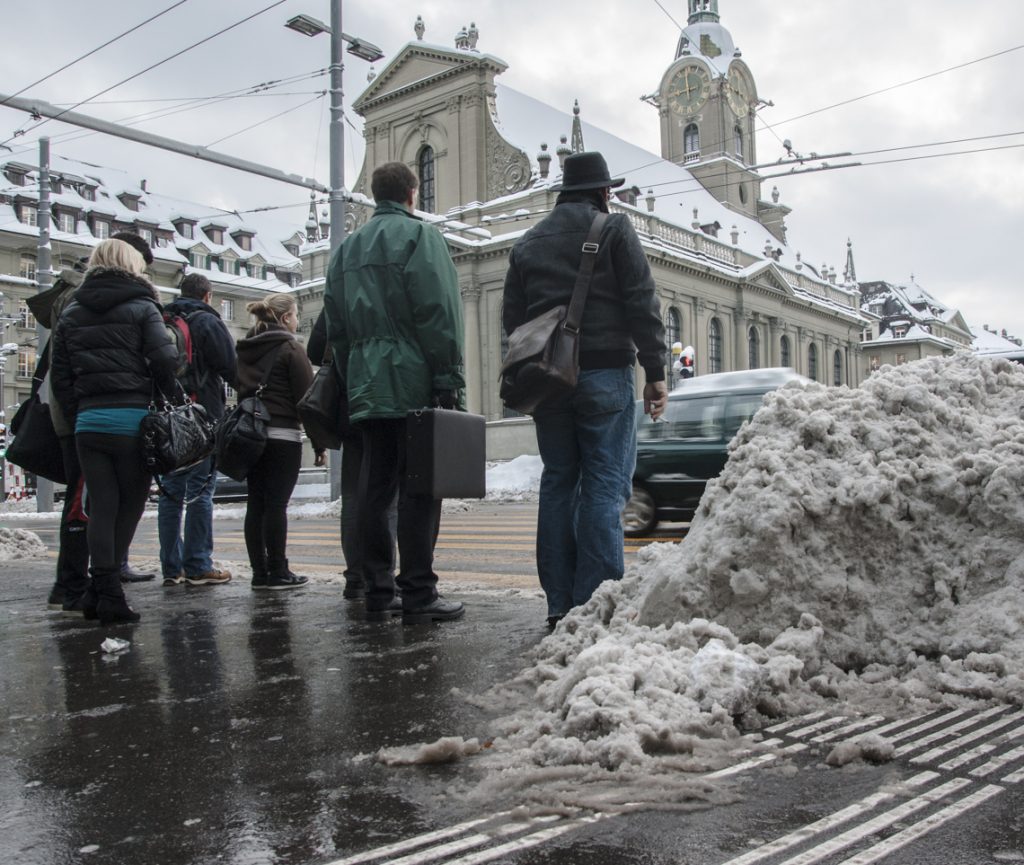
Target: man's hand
(443, 399)
(320, 459)
(655, 397)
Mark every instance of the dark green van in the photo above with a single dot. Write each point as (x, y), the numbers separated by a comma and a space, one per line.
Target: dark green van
(678, 454)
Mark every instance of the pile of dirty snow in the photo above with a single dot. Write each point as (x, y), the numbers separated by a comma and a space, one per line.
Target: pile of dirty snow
(863, 550)
(20, 544)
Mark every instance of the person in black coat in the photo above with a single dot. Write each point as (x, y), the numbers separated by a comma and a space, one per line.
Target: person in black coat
(317, 350)
(189, 557)
(110, 347)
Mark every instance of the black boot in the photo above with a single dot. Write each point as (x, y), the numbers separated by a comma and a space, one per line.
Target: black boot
(111, 605)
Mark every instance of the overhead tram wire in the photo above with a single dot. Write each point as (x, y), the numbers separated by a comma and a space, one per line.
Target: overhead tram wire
(320, 95)
(263, 89)
(95, 50)
(153, 66)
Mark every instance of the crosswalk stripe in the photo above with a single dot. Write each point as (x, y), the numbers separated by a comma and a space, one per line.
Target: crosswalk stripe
(863, 806)
(947, 731)
(960, 741)
(883, 848)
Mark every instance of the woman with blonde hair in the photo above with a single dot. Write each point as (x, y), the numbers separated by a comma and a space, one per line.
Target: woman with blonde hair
(270, 355)
(110, 348)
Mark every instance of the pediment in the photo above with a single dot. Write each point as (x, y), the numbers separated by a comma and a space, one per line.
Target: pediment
(417, 65)
(768, 275)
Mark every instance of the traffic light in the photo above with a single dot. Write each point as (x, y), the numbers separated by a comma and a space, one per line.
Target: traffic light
(684, 365)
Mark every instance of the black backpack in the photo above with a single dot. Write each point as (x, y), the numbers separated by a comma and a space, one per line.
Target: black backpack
(187, 370)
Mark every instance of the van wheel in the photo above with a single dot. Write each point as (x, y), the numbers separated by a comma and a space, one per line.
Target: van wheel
(640, 515)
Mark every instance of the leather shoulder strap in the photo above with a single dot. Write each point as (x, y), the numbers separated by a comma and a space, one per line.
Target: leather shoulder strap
(586, 272)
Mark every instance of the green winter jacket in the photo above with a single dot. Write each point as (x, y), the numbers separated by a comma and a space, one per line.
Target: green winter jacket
(394, 315)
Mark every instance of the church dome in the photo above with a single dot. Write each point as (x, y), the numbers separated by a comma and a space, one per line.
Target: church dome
(709, 41)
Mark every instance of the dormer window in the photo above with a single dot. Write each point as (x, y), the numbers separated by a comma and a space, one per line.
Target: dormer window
(28, 215)
(215, 233)
(88, 192)
(100, 229)
(243, 239)
(292, 249)
(55, 185)
(899, 331)
(146, 234)
(66, 222)
(130, 201)
(16, 177)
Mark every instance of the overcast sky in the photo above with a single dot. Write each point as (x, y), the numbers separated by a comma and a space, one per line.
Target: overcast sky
(955, 222)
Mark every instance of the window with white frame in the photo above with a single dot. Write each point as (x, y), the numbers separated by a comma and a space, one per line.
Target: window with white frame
(185, 230)
(29, 215)
(227, 309)
(26, 362)
(25, 317)
(28, 267)
(66, 222)
(199, 260)
(100, 229)
(88, 193)
(147, 235)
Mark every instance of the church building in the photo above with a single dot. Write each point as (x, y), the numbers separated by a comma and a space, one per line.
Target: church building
(489, 159)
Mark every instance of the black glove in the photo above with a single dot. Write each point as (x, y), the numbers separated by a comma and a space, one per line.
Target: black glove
(443, 399)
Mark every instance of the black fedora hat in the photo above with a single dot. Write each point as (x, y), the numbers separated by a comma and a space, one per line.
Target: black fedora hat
(586, 171)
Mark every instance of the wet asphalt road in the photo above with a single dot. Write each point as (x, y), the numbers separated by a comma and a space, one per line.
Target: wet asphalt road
(237, 729)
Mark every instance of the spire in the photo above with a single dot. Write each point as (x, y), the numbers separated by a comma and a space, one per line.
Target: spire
(312, 228)
(849, 272)
(703, 10)
(577, 129)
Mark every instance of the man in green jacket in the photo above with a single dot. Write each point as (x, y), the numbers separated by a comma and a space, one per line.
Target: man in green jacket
(394, 321)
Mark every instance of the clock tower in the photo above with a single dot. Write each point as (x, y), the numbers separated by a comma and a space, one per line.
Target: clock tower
(707, 101)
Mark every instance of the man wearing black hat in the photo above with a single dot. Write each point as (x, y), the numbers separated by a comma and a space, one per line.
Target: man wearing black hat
(587, 440)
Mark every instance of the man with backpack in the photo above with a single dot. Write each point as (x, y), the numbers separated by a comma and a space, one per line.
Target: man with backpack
(206, 353)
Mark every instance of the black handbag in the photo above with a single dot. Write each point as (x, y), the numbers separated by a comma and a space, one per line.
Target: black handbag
(324, 408)
(36, 446)
(445, 454)
(175, 437)
(242, 435)
(542, 362)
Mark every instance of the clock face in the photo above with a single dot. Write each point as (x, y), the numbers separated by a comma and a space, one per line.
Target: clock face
(738, 93)
(688, 89)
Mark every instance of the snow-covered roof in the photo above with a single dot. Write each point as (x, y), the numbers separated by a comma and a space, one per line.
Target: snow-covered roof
(161, 211)
(988, 343)
(527, 122)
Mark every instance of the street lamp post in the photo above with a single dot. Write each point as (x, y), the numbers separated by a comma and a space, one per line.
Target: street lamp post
(309, 26)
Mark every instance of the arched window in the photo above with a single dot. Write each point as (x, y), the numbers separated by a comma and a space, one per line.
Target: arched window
(837, 368)
(426, 166)
(784, 357)
(673, 327)
(753, 349)
(691, 139)
(737, 138)
(714, 346)
(812, 362)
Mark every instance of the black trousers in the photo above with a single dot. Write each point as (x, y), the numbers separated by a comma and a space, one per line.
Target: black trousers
(73, 556)
(419, 518)
(116, 485)
(351, 532)
(271, 482)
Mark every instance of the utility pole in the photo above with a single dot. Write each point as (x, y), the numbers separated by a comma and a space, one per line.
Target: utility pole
(44, 278)
(336, 196)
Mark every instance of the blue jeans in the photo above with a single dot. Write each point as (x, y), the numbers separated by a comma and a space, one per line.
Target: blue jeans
(588, 447)
(192, 555)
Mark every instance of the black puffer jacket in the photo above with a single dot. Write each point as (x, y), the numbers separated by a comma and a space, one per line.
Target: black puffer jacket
(110, 345)
(621, 318)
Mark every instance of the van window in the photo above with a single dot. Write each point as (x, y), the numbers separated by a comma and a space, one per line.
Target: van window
(694, 419)
(738, 409)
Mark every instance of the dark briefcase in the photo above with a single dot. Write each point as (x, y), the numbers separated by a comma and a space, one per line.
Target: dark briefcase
(445, 454)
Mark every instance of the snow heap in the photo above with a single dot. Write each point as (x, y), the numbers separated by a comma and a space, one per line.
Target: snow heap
(862, 551)
(20, 544)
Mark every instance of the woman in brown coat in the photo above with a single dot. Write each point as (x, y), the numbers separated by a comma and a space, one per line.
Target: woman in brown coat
(270, 352)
